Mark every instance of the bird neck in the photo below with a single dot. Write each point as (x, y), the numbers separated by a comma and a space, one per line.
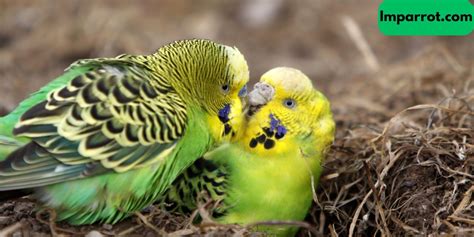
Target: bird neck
(195, 142)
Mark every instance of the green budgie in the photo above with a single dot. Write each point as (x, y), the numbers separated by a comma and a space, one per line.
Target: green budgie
(109, 136)
(265, 173)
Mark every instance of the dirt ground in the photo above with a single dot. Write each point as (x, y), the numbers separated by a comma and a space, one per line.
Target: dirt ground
(403, 159)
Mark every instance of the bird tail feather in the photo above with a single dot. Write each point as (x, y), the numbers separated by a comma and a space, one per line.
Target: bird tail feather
(8, 145)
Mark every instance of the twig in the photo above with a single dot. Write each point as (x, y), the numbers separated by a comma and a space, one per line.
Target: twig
(404, 226)
(7, 231)
(300, 224)
(357, 213)
(322, 222)
(192, 217)
(206, 218)
(377, 199)
(313, 190)
(330, 176)
(356, 35)
(52, 224)
(468, 221)
(185, 232)
(344, 189)
(128, 230)
(464, 202)
(332, 231)
(145, 221)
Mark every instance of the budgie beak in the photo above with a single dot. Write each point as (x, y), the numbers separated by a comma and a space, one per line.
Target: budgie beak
(261, 94)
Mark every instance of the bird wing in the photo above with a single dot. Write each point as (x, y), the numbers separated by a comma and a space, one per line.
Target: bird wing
(114, 117)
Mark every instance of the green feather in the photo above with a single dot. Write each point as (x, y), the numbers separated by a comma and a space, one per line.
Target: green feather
(110, 197)
(267, 173)
(249, 188)
(7, 123)
(109, 136)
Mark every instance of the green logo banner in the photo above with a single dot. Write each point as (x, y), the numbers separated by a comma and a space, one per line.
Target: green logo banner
(426, 17)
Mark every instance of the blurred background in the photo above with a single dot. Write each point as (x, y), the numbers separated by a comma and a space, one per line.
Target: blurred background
(39, 39)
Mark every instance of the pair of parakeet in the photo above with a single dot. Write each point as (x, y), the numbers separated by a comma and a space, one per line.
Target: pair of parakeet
(113, 135)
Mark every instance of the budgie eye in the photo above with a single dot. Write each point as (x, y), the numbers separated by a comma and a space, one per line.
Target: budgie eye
(289, 103)
(225, 88)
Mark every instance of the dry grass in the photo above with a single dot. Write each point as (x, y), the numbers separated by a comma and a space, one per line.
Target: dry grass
(406, 168)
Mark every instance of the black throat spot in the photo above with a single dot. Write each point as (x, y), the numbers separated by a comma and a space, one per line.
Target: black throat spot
(267, 139)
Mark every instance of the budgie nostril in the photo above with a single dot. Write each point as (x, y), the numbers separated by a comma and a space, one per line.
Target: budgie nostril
(263, 87)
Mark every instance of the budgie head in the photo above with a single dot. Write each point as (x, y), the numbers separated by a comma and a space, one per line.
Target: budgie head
(210, 76)
(278, 155)
(288, 114)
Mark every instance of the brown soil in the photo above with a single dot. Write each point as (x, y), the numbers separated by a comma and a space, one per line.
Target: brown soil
(403, 159)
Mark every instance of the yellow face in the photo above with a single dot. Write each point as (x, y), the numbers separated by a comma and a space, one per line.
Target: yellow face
(231, 115)
(297, 116)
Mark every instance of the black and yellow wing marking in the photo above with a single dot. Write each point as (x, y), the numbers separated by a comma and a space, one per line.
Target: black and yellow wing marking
(203, 176)
(115, 117)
